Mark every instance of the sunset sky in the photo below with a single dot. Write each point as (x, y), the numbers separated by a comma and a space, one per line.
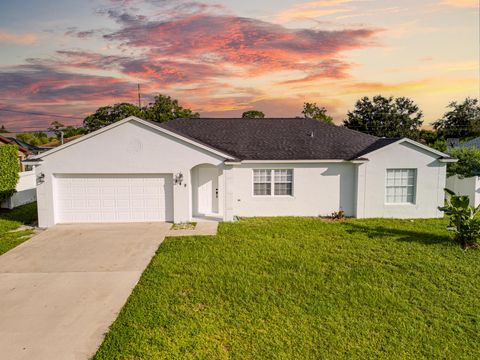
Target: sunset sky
(221, 58)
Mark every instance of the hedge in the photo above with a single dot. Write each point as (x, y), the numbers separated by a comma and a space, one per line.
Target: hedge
(9, 169)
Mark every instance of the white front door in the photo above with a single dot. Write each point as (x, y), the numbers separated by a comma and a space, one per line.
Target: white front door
(113, 198)
(207, 190)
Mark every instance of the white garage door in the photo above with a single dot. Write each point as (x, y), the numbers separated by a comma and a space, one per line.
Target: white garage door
(113, 198)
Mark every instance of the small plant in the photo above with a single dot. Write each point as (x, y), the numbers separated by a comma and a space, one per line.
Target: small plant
(184, 226)
(464, 221)
(338, 215)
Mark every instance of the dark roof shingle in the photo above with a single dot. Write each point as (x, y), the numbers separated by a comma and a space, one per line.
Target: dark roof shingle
(277, 139)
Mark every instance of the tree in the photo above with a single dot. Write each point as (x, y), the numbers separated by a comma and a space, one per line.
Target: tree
(107, 115)
(164, 108)
(385, 117)
(313, 111)
(36, 138)
(56, 127)
(253, 114)
(3, 130)
(9, 169)
(468, 163)
(462, 120)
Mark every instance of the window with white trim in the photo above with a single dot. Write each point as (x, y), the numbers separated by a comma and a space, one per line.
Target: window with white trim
(278, 182)
(400, 186)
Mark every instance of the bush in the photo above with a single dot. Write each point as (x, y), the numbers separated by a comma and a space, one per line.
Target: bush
(9, 169)
(468, 164)
(464, 221)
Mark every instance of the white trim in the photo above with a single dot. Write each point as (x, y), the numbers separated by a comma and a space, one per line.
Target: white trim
(294, 161)
(412, 142)
(141, 121)
(449, 160)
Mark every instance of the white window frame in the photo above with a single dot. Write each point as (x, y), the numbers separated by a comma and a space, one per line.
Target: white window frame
(272, 183)
(414, 186)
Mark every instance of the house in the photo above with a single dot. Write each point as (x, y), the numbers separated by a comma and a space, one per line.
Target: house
(136, 170)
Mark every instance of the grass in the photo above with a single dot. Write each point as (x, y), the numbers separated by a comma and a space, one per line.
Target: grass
(184, 226)
(12, 220)
(298, 288)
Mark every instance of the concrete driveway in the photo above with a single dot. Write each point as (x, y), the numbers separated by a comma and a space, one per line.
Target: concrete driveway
(61, 290)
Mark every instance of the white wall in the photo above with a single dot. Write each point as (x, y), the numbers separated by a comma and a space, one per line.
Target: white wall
(318, 189)
(26, 191)
(127, 148)
(431, 176)
(466, 186)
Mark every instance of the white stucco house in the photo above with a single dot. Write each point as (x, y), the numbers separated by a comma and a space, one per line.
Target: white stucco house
(136, 170)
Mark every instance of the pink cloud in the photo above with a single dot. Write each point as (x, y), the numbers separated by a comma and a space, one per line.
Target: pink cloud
(19, 39)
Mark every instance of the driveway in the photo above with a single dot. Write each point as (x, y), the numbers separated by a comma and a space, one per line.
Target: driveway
(61, 290)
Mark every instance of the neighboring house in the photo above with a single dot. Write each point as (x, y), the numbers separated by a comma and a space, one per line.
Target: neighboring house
(136, 170)
(471, 143)
(25, 189)
(32, 149)
(467, 186)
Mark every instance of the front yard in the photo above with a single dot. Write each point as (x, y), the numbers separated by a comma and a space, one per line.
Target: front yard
(303, 288)
(11, 220)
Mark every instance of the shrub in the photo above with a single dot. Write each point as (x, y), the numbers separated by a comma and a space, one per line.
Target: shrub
(8, 171)
(468, 164)
(338, 215)
(464, 221)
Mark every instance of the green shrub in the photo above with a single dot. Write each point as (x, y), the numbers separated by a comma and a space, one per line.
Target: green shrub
(468, 164)
(464, 221)
(8, 171)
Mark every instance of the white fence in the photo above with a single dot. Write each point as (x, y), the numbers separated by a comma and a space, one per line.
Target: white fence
(466, 186)
(26, 191)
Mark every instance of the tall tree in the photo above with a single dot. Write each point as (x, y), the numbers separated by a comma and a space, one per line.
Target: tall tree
(253, 114)
(107, 115)
(164, 108)
(56, 127)
(313, 111)
(462, 120)
(385, 117)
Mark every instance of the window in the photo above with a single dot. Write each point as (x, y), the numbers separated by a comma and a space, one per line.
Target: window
(400, 186)
(272, 182)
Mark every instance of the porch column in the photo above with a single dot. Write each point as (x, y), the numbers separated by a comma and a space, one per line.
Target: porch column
(228, 186)
(181, 198)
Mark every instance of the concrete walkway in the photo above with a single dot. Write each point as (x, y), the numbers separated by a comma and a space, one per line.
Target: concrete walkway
(62, 289)
(202, 228)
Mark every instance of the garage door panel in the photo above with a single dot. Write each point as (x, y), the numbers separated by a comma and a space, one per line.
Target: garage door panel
(113, 198)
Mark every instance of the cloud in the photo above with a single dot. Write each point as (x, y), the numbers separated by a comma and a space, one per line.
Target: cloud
(312, 10)
(254, 46)
(19, 39)
(461, 3)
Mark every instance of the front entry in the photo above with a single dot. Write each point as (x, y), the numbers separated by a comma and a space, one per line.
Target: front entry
(207, 190)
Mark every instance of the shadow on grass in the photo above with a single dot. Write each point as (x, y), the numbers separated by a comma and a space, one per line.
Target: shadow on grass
(25, 214)
(376, 231)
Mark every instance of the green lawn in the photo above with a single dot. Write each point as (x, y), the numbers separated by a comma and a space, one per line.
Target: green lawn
(13, 219)
(298, 288)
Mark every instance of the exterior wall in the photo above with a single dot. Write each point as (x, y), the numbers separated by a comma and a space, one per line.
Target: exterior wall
(431, 175)
(318, 189)
(130, 148)
(26, 191)
(466, 186)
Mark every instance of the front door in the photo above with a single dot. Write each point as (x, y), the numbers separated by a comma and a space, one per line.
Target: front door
(207, 190)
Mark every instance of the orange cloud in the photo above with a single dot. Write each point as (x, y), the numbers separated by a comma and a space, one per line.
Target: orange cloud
(19, 39)
(461, 3)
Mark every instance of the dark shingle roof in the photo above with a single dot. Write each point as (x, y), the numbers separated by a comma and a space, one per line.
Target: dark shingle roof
(471, 143)
(277, 139)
